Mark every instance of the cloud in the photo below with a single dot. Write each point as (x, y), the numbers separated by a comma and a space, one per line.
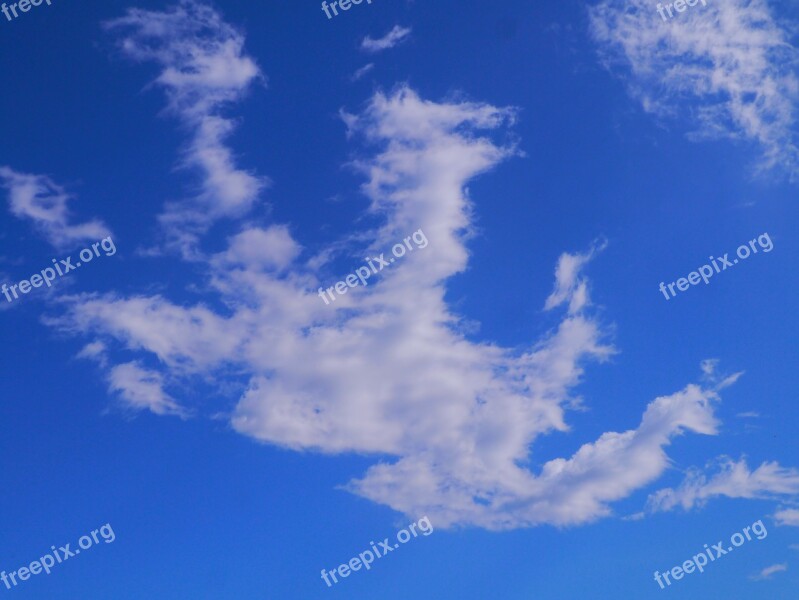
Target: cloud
(204, 70)
(142, 389)
(393, 38)
(362, 71)
(711, 375)
(38, 199)
(733, 480)
(256, 248)
(709, 366)
(787, 516)
(748, 415)
(386, 371)
(568, 284)
(727, 66)
(94, 351)
(769, 571)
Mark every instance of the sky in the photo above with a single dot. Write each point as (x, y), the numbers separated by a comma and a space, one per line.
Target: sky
(450, 263)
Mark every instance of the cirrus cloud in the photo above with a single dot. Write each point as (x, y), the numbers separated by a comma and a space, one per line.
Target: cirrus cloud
(729, 65)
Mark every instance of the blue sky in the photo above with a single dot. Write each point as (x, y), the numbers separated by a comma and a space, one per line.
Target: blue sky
(521, 381)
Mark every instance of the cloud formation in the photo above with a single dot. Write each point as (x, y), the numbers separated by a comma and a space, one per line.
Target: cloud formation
(787, 516)
(732, 480)
(393, 38)
(362, 71)
(140, 388)
(728, 66)
(568, 284)
(38, 199)
(204, 70)
(387, 370)
(769, 571)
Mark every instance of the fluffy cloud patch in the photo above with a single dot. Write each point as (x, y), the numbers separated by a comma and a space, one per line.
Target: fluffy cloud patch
(272, 248)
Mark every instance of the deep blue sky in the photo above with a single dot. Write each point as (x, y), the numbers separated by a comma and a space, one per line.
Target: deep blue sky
(199, 510)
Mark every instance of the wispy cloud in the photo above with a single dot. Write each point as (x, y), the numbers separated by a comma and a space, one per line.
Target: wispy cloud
(362, 71)
(732, 480)
(728, 66)
(769, 571)
(38, 199)
(568, 284)
(204, 71)
(748, 415)
(393, 38)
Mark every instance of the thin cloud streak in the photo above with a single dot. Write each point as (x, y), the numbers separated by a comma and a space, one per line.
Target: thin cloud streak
(393, 38)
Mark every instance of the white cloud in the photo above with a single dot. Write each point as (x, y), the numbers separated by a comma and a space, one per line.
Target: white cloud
(709, 366)
(255, 248)
(184, 339)
(769, 571)
(393, 38)
(728, 66)
(204, 71)
(386, 370)
(40, 200)
(787, 516)
(748, 415)
(362, 71)
(96, 351)
(711, 375)
(568, 284)
(733, 480)
(142, 389)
